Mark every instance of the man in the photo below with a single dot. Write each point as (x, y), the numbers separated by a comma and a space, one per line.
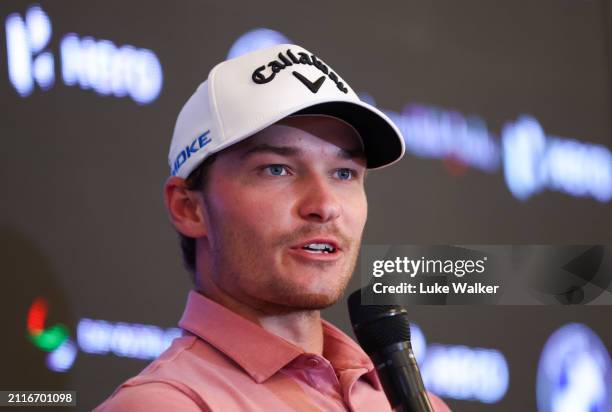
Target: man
(268, 161)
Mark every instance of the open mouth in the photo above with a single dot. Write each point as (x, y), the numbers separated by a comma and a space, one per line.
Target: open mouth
(319, 248)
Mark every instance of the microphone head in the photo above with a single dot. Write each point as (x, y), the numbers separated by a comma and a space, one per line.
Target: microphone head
(377, 326)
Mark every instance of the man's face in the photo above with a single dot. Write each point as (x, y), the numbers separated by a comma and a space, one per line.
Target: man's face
(286, 210)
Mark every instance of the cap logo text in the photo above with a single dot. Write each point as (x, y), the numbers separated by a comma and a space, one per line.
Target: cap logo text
(289, 60)
(197, 144)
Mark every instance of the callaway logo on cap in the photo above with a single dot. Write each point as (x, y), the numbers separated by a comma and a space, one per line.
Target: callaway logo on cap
(251, 92)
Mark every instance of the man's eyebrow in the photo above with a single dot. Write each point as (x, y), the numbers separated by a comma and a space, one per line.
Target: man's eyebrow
(294, 151)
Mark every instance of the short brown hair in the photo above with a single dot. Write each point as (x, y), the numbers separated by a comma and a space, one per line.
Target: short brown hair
(197, 180)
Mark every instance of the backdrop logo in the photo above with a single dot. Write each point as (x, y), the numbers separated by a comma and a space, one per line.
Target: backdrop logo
(534, 161)
(463, 141)
(459, 371)
(531, 160)
(54, 339)
(28, 61)
(574, 373)
(86, 62)
(96, 337)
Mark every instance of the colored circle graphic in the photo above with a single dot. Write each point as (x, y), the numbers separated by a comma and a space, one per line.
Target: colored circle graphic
(46, 339)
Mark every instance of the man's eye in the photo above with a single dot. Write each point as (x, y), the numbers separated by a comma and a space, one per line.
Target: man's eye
(276, 170)
(345, 174)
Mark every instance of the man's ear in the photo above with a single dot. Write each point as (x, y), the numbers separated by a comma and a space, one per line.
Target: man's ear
(185, 208)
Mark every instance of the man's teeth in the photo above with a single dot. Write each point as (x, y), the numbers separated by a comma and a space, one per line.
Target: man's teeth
(320, 247)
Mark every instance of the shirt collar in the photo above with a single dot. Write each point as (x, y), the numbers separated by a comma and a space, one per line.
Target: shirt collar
(344, 353)
(244, 341)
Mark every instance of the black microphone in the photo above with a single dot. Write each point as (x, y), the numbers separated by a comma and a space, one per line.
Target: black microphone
(383, 331)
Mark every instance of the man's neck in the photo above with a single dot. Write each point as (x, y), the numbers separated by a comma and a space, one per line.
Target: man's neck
(302, 328)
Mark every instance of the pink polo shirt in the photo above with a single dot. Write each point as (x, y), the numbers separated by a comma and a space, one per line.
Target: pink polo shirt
(225, 362)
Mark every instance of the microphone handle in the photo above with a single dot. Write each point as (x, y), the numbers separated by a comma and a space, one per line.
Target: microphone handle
(401, 379)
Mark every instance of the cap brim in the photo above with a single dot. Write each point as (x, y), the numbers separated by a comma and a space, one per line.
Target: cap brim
(383, 142)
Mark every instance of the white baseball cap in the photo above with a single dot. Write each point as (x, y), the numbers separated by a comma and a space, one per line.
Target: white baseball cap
(251, 92)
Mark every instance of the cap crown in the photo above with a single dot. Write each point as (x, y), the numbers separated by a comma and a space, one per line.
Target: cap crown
(247, 94)
(244, 95)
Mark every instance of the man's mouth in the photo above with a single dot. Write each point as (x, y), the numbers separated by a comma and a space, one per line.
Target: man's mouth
(319, 248)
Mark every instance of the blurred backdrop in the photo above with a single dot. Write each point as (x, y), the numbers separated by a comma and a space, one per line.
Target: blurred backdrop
(505, 107)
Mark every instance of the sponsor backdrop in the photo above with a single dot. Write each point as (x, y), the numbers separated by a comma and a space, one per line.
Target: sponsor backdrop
(505, 107)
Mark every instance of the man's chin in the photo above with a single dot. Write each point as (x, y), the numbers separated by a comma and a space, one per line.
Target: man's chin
(303, 294)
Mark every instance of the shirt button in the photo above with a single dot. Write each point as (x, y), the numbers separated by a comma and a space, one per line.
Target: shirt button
(312, 362)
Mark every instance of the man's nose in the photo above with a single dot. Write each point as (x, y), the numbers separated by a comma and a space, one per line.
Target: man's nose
(319, 202)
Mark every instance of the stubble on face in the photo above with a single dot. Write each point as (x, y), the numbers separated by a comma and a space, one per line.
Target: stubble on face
(246, 272)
